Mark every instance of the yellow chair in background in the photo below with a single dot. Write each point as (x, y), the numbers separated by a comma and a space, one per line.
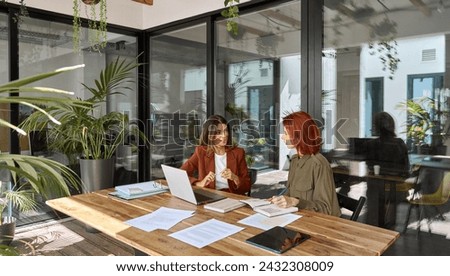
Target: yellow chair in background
(425, 195)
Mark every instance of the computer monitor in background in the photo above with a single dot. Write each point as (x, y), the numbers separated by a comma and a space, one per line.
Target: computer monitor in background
(357, 146)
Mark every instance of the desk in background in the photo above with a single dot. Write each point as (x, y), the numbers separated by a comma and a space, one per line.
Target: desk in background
(381, 195)
(329, 235)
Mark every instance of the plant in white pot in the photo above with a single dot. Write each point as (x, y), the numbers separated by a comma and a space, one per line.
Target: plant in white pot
(28, 176)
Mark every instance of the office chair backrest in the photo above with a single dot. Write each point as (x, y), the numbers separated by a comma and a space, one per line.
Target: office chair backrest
(437, 195)
(351, 204)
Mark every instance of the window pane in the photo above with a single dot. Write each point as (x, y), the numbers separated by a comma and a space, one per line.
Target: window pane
(45, 46)
(177, 94)
(258, 79)
(4, 57)
(398, 49)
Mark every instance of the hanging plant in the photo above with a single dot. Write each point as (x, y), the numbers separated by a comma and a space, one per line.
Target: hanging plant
(23, 11)
(95, 11)
(231, 13)
(386, 47)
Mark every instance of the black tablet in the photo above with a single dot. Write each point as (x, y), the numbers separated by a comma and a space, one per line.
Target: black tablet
(278, 239)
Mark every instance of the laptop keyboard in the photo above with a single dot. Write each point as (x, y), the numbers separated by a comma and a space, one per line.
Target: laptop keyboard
(205, 196)
(200, 197)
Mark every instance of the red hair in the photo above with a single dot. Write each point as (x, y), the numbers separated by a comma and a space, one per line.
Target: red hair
(303, 132)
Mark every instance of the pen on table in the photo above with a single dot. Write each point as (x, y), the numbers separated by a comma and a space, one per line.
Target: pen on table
(282, 192)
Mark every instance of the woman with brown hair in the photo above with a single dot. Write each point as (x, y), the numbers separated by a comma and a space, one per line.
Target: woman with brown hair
(310, 182)
(216, 163)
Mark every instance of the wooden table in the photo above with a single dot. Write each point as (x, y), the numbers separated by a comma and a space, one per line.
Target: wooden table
(329, 235)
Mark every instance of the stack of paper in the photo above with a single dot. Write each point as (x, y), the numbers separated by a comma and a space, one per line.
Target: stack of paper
(224, 205)
(138, 190)
(163, 218)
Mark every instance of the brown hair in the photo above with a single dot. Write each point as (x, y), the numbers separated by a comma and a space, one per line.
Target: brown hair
(210, 128)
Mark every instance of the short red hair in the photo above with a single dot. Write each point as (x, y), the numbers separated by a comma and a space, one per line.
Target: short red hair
(303, 132)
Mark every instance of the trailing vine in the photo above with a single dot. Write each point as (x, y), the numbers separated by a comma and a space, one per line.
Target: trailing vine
(97, 23)
(386, 47)
(76, 25)
(23, 11)
(231, 13)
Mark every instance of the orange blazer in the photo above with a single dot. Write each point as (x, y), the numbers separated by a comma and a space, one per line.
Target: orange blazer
(201, 163)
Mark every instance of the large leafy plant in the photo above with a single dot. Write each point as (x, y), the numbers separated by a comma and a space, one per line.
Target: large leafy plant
(84, 132)
(32, 175)
(420, 118)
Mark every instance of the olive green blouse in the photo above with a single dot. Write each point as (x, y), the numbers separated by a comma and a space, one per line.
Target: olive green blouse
(311, 181)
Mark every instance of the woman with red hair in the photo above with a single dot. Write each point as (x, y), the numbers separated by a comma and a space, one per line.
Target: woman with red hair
(310, 182)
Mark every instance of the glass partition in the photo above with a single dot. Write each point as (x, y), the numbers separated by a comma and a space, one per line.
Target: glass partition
(387, 56)
(45, 46)
(177, 95)
(4, 77)
(258, 79)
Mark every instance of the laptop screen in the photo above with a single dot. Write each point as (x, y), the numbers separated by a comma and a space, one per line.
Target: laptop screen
(180, 186)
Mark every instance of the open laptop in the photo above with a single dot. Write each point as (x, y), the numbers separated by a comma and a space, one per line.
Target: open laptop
(180, 187)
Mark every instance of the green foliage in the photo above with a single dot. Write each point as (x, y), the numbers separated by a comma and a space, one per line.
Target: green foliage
(23, 200)
(82, 133)
(8, 251)
(97, 24)
(231, 13)
(420, 121)
(32, 175)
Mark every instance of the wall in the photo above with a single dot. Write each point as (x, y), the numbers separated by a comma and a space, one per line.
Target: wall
(395, 90)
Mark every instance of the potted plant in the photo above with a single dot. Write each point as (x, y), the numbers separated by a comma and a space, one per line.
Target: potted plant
(11, 197)
(96, 23)
(253, 173)
(88, 136)
(28, 176)
(420, 122)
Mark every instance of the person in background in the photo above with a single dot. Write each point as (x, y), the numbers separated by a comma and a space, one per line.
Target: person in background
(387, 151)
(216, 163)
(310, 182)
(391, 154)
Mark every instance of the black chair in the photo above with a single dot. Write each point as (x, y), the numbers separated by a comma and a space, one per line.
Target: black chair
(351, 204)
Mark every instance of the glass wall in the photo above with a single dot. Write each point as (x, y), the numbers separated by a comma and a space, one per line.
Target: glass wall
(386, 93)
(4, 77)
(45, 46)
(258, 79)
(387, 56)
(177, 95)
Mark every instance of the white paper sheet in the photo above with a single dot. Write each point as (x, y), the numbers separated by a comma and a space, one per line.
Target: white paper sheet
(163, 218)
(265, 223)
(205, 233)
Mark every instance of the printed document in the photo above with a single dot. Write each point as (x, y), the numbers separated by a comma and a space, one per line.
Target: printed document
(205, 233)
(163, 218)
(263, 222)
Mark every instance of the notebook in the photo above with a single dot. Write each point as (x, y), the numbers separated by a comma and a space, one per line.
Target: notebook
(180, 187)
(278, 239)
(265, 207)
(138, 190)
(224, 205)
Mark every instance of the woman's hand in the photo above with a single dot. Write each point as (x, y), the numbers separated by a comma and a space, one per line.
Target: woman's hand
(210, 177)
(285, 201)
(228, 174)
